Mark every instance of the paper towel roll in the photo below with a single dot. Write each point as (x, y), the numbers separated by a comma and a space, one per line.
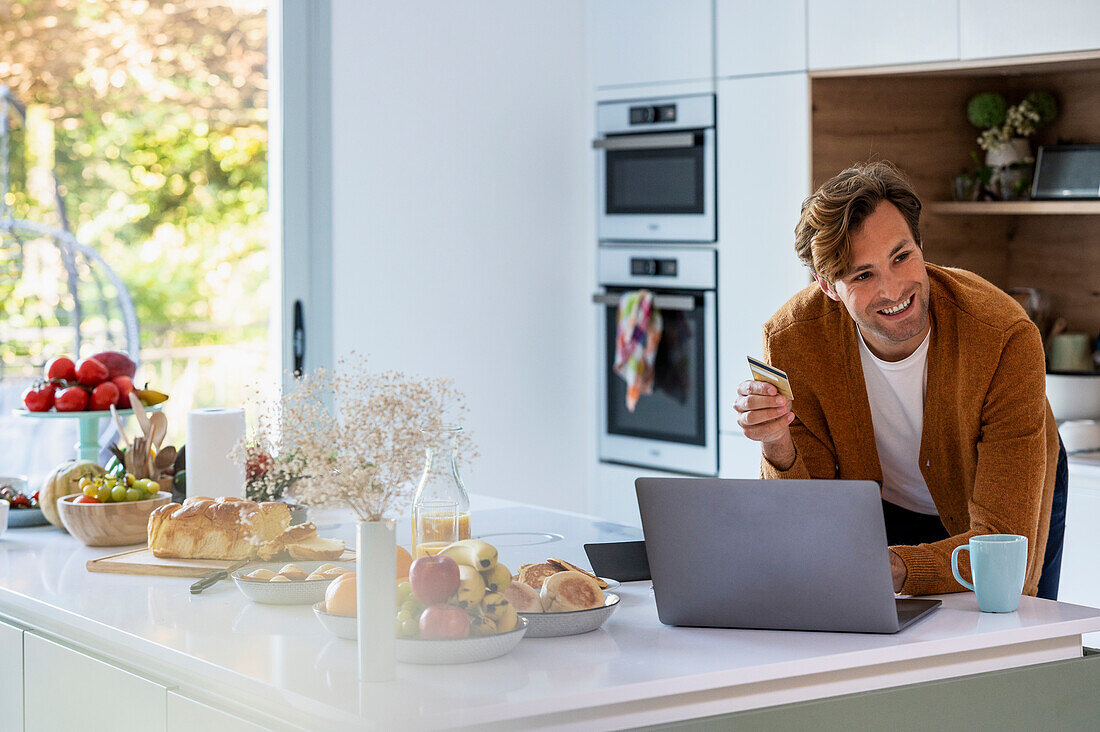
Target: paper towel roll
(211, 434)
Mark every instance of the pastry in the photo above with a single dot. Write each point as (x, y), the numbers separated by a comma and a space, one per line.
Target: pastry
(334, 572)
(279, 578)
(570, 591)
(523, 597)
(222, 528)
(293, 572)
(302, 543)
(316, 576)
(535, 574)
(565, 566)
(260, 574)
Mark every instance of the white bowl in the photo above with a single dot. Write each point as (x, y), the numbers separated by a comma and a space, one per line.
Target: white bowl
(415, 650)
(552, 625)
(1074, 395)
(295, 592)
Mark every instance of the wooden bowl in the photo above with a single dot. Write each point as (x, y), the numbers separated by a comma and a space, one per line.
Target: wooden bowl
(109, 524)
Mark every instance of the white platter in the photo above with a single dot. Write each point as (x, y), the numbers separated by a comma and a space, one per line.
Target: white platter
(553, 625)
(299, 592)
(414, 650)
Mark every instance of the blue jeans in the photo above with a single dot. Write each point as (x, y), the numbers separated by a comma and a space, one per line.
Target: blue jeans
(906, 528)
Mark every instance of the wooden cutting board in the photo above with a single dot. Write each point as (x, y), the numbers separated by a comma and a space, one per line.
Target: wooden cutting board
(142, 561)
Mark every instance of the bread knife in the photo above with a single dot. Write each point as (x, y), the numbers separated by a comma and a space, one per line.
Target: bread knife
(216, 576)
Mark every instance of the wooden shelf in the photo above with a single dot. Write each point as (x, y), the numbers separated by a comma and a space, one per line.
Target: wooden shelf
(1015, 208)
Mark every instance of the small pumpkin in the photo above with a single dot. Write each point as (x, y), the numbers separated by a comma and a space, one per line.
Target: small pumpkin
(62, 481)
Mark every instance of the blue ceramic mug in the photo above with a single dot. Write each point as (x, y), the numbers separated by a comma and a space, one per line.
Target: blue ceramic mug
(997, 564)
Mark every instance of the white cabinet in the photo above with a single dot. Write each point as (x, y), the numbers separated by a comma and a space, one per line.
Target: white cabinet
(11, 677)
(990, 28)
(66, 690)
(1080, 579)
(187, 715)
(759, 37)
(650, 41)
(763, 177)
(845, 33)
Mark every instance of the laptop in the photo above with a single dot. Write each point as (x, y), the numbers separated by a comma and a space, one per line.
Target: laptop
(772, 554)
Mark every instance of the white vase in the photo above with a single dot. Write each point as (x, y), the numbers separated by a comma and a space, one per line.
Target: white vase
(1016, 150)
(376, 579)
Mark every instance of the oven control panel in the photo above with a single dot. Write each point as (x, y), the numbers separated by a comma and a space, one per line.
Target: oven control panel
(649, 114)
(653, 267)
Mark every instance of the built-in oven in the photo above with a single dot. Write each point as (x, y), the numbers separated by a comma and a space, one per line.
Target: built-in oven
(675, 427)
(656, 170)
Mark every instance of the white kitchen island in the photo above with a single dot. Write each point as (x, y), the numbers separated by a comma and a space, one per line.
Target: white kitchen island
(120, 652)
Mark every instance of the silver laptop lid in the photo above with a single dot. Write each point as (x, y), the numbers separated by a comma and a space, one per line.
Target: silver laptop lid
(778, 554)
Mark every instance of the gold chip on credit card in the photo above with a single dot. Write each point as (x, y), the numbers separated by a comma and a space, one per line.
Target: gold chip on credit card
(771, 375)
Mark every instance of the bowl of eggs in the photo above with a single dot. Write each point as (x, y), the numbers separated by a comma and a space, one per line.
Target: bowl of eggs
(301, 583)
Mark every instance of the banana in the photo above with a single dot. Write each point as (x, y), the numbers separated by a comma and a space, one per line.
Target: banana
(496, 607)
(471, 588)
(475, 553)
(149, 397)
(481, 625)
(497, 578)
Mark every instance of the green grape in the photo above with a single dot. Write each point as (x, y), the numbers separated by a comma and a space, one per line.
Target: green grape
(404, 592)
(89, 490)
(130, 479)
(85, 481)
(133, 494)
(148, 485)
(410, 628)
(103, 493)
(118, 493)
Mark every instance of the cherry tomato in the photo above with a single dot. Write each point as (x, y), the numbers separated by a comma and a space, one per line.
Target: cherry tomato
(61, 368)
(91, 372)
(20, 500)
(87, 499)
(103, 396)
(72, 399)
(40, 397)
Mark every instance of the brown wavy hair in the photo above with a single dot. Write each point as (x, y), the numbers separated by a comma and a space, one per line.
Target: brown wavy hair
(838, 209)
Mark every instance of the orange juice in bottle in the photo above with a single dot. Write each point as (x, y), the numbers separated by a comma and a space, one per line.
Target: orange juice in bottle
(441, 507)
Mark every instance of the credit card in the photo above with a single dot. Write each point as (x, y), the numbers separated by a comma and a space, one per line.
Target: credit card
(771, 375)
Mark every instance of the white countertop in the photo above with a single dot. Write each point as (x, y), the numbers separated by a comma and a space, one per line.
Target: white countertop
(637, 670)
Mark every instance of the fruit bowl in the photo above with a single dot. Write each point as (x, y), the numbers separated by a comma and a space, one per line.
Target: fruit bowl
(109, 524)
(414, 650)
(552, 625)
(297, 592)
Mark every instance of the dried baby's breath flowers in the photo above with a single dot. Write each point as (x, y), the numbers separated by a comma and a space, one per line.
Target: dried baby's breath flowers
(355, 436)
(269, 470)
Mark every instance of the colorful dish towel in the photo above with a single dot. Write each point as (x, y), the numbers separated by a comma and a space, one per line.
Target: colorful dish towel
(636, 339)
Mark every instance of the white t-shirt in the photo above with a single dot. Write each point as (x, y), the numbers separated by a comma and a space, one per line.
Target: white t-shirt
(895, 390)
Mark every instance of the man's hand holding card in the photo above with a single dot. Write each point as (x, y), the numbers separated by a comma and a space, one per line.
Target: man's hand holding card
(764, 412)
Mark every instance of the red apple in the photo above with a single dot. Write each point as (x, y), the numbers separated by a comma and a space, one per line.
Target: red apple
(444, 622)
(103, 396)
(39, 398)
(125, 385)
(61, 368)
(91, 372)
(72, 399)
(433, 579)
(117, 363)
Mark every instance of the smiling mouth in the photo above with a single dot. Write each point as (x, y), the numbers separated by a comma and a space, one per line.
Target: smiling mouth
(898, 309)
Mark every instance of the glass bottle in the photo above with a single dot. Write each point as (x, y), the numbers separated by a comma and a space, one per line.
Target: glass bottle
(440, 484)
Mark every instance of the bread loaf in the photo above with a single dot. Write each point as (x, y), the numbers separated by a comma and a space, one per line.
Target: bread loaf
(222, 528)
(570, 591)
(301, 543)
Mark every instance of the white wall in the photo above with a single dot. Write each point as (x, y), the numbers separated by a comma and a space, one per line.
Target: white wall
(462, 223)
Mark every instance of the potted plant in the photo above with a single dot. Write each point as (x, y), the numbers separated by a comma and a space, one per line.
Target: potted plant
(1005, 136)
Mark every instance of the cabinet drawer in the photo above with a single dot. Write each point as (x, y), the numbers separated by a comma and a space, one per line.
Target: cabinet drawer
(11, 677)
(65, 690)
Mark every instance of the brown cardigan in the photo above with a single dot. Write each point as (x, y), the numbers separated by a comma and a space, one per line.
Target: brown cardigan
(989, 445)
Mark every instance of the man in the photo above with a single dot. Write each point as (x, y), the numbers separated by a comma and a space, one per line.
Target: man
(926, 379)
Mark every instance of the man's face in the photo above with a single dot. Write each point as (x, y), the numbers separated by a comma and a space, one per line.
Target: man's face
(885, 288)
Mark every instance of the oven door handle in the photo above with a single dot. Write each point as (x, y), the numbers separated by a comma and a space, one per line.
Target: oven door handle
(683, 303)
(646, 142)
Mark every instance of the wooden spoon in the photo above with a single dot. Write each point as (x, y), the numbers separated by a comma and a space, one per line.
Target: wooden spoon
(142, 416)
(159, 425)
(164, 459)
